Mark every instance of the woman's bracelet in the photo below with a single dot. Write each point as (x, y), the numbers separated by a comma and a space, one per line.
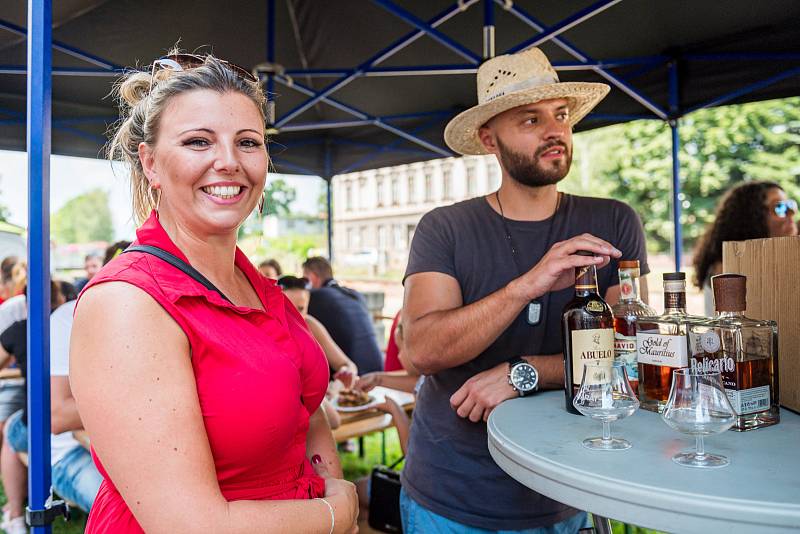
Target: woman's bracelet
(330, 509)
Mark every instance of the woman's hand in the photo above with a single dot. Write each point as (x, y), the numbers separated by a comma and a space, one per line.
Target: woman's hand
(346, 375)
(369, 381)
(342, 495)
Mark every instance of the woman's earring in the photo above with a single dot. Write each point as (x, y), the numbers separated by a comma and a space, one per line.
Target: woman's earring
(155, 196)
(262, 202)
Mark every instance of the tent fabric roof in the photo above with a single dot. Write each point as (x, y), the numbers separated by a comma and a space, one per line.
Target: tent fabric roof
(718, 47)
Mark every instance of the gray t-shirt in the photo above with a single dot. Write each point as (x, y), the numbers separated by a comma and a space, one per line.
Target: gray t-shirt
(448, 468)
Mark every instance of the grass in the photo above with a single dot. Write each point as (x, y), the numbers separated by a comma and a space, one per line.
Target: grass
(356, 467)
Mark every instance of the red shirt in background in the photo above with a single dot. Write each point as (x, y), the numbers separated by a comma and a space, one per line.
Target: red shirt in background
(392, 362)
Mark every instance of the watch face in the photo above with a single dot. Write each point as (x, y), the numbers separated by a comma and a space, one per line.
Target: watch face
(524, 377)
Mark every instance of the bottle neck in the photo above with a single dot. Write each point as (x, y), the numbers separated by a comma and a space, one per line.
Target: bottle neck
(675, 302)
(628, 285)
(585, 281)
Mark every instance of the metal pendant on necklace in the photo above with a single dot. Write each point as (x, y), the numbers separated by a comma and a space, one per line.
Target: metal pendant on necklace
(534, 316)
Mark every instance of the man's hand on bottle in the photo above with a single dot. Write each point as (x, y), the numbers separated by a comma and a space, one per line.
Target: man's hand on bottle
(556, 270)
(482, 393)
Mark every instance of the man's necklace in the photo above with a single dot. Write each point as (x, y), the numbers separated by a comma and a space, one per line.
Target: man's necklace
(534, 315)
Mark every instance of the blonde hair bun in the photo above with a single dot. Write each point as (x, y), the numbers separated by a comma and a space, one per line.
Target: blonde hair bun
(135, 88)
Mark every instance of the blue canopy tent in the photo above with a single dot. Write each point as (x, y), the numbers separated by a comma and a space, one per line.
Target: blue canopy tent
(362, 84)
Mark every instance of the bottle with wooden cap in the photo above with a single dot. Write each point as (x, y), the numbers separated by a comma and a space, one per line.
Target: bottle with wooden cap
(743, 350)
(629, 308)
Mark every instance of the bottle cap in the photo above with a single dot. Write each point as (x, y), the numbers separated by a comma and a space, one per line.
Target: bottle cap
(629, 264)
(730, 292)
(674, 276)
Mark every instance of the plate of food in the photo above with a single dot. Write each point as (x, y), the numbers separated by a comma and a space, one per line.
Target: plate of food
(354, 400)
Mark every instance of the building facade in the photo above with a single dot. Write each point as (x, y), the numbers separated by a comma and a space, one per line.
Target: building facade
(375, 212)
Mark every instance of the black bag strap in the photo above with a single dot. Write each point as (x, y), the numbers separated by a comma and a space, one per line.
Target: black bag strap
(178, 264)
(395, 464)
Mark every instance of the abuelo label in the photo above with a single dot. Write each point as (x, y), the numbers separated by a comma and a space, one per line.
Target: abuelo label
(591, 346)
(660, 349)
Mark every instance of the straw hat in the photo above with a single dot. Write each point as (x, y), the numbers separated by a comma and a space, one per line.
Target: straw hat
(512, 80)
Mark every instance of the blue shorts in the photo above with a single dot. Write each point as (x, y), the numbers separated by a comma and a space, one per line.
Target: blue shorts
(419, 520)
(17, 432)
(75, 477)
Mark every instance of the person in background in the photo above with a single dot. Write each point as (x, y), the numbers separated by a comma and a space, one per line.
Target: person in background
(6, 278)
(270, 268)
(114, 250)
(343, 312)
(92, 264)
(67, 290)
(751, 210)
(12, 389)
(344, 373)
(343, 368)
(19, 278)
(74, 475)
(14, 347)
(201, 400)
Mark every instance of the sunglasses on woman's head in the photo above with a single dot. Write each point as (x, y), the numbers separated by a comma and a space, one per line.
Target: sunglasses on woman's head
(180, 62)
(782, 207)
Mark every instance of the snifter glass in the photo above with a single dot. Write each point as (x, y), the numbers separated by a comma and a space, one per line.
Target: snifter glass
(698, 406)
(606, 395)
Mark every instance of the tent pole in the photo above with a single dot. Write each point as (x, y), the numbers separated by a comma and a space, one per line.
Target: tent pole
(38, 142)
(271, 115)
(329, 196)
(488, 29)
(674, 107)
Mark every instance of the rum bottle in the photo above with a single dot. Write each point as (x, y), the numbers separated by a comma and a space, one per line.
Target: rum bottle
(626, 312)
(744, 350)
(662, 344)
(587, 327)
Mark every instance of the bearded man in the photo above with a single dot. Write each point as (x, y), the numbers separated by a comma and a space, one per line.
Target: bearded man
(485, 286)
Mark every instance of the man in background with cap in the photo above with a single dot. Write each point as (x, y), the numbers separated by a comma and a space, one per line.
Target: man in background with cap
(486, 282)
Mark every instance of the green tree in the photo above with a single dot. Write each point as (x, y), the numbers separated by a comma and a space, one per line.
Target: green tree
(84, 218)
(5, 213)
(279, 197)
(720, 147)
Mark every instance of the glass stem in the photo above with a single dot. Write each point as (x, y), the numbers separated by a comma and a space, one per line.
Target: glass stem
(606, 431)
(700, 447)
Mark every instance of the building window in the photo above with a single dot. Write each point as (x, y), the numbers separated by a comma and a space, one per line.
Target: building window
(363, 202)
(472, 182)
(379, 192)
(447, 184)
(362, 236)
(352, 244)
(428, 187)
(412, 193)
(394, 199)
(348, 197)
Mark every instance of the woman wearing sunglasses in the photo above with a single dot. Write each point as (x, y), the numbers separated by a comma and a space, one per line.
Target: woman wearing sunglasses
(752, 210)
(200, 388)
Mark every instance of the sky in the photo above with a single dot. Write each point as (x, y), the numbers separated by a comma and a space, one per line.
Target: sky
(70, 177)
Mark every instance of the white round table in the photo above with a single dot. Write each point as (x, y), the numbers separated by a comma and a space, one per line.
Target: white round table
(538, 443)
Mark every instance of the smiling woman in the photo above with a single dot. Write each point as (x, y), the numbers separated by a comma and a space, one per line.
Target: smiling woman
(203, 409)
